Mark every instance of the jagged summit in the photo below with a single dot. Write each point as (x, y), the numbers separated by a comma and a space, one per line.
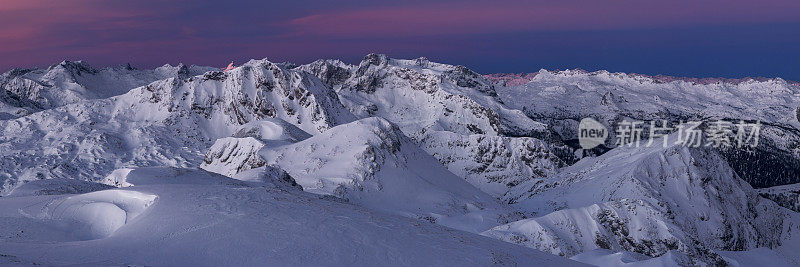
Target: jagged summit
(452, 112)
(332, 72)
(74, 66)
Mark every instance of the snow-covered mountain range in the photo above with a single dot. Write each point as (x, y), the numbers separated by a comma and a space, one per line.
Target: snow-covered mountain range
(428, 155)
(25, 91)
(561, 99)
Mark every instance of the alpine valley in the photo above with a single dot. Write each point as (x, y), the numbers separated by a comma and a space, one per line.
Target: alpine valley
(389, 161)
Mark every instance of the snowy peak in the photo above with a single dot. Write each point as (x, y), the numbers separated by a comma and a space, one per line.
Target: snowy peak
(230, 156)
(434, 142)
(256, 90)
(359, 148)
(377, 60)
(71, 69)
(464, 77)
(458, 75)
(272, 130)
(452, 112)
(578, 74)
(443, 97)
(517, 79)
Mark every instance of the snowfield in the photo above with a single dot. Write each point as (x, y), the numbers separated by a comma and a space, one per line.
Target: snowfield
(386, 162)
(197, 223)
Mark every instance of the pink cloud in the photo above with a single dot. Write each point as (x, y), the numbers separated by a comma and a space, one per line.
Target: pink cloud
(438, 19)
(31, 24)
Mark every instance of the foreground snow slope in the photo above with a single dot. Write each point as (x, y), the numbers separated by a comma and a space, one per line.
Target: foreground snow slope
(607, 258)
(562, 99)
(245, 224)
(648, 200)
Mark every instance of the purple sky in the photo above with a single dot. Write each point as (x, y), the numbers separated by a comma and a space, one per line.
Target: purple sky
(731, 38)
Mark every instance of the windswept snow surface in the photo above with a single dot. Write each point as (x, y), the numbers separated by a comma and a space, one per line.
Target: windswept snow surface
(607, 258)
(756, 257)
(225, 224)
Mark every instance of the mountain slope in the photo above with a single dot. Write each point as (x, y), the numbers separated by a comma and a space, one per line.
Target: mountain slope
(452, 112)
(370, 162)
(647, 200)
(788, 196)
(493, 164)
(233, 155)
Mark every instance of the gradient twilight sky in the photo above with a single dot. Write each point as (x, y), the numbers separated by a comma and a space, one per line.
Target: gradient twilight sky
(696, 38)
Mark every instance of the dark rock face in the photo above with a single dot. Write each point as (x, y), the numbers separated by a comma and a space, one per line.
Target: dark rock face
(464, 77)
(797, 114)
(789, 200)
(76, 68)
(331, 72)
(764, 167)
